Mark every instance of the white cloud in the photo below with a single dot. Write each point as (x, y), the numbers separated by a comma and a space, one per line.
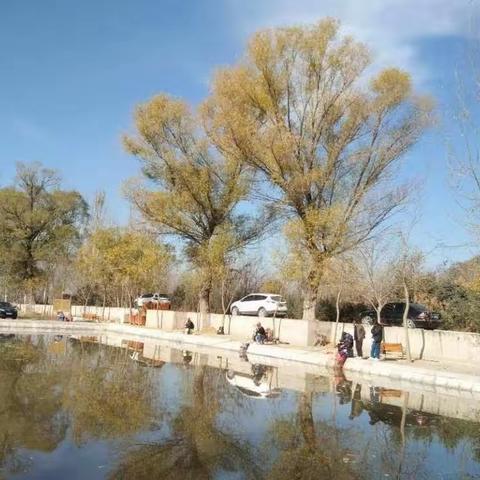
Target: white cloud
(391, 28)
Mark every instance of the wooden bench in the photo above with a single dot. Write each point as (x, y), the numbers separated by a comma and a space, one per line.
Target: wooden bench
(389, 348)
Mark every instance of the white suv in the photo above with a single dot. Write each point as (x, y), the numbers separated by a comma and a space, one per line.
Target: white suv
(261, 304)
(152, 298)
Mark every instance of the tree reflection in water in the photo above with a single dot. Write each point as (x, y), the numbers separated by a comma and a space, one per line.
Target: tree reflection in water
(30, 403)
(107, 395)
(97, 392)
(309, 449)
(54, 391)
(197, 448)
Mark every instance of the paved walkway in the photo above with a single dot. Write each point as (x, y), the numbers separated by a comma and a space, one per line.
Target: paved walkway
(444, 374)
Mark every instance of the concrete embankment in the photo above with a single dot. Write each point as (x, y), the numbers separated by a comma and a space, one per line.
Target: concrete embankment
(434, 346)
(444, 377)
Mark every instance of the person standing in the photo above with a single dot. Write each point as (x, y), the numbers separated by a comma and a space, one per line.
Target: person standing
(358, 336)
(377, 336)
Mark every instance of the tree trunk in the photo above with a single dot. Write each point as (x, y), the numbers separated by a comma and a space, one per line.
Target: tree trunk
(311, 291)
(44, 311)
(309, 304)
(306, 422)
(204, 300)
(224, 310)
(87, 297)
(402, 433)
(104, 303)
(204, 306)
(30, 295)
(337, 316)
(405, 318)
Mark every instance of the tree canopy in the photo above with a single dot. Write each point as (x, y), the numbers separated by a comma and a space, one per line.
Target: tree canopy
(197, 188)
(39, 223)
(129, 262)
(300, 109)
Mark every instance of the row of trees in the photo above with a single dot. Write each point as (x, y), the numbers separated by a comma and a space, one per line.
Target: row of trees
(107, 265)
(50, 245)
(297, 127)
(296, 137)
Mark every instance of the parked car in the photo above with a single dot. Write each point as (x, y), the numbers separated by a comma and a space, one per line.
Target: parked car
(392, 314)
(159, 298)
(7, 310)
(261, 304)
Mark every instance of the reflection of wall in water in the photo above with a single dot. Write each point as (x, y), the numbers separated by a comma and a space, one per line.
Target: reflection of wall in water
(310, 378)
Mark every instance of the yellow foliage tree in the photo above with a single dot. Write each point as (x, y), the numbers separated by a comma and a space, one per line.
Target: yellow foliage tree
(300, 110)
(198, 188)
(131, 261)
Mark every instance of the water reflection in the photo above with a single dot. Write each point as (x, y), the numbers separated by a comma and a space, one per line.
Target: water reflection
(255, 384)
(140, 410)
(196, 448)
(30, 406)
(105, 394)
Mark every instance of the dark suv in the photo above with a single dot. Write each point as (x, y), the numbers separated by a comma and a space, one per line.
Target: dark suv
(392, 314)
(7, 310)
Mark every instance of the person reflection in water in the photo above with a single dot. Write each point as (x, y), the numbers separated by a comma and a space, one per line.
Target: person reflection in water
(258, 372)
(187, 357)
(343, 387)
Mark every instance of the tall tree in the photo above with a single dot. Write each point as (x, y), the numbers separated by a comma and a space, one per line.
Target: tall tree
(39, 223)
(299, 109)
(197, 191)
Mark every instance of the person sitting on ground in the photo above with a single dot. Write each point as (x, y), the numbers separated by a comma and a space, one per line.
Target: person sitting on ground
(260, 334)
(189, 326)
(377, 336)
(61, 316)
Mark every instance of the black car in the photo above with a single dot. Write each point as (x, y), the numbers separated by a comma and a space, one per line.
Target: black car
(419, 316)
(7, 310)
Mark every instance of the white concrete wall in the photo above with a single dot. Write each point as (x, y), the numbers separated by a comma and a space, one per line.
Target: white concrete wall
(288, 330)
(426, 344)
(112, 314)
(170, 320)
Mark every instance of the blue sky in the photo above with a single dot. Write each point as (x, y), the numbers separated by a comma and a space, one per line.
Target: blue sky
(72, 72)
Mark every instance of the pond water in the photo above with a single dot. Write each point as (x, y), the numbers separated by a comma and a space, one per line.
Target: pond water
(77, 408)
